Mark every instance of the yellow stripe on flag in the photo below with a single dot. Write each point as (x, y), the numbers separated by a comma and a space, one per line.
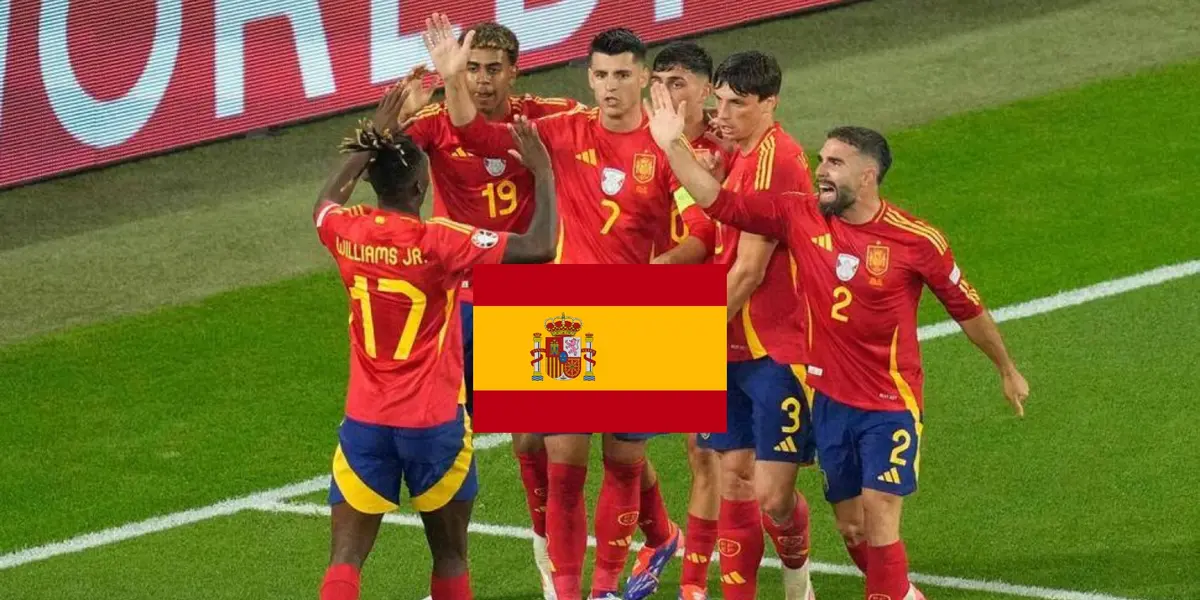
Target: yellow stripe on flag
(647, 348)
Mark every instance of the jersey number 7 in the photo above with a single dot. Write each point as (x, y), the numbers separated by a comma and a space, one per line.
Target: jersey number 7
(408, 335)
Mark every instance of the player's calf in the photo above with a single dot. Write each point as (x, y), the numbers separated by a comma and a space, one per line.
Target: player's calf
(446, 532)
(850, 524)
(354, 535)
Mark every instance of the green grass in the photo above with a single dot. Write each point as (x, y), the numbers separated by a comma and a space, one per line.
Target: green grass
(179, 228)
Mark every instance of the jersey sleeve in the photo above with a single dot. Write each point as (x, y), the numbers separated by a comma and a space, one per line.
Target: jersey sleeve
(330, 218)
(764, 213)
(486, 138)
(460, 247)
(429, 128)
(698, 224)
(945, 279)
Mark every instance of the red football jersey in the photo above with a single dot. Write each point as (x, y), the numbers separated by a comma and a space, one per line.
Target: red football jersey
(402, 274)
(770, 322)
(493, 193)
(862, 284)
(692, 220)
(614, 189)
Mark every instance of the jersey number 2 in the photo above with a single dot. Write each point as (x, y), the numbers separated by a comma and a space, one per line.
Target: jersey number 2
(408, 335)
(843, 299)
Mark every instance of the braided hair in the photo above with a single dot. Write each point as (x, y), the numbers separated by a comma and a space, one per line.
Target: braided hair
(395, 159)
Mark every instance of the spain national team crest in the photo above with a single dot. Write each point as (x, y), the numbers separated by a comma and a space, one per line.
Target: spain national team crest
(877, 259)
(847, 266)
(611, 180)
(495, 166)
(565, 353)
(643, 167)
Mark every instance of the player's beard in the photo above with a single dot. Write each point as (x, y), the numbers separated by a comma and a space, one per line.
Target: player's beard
(843, 200)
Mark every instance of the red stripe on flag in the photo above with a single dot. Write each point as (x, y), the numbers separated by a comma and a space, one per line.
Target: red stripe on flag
(599, 285)
(598, 412)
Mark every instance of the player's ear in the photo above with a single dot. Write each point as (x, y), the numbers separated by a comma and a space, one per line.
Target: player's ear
(643, 75)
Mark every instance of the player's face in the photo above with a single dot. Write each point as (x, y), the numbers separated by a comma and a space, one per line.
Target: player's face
(685, 86)
(842, 172)
(489, 78)
(617, 83)
(740, 117)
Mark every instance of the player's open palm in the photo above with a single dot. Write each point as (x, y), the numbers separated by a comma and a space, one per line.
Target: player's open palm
(666, 122)
(530, 150)
(449, 57)
(1016, 389)
(419, 93)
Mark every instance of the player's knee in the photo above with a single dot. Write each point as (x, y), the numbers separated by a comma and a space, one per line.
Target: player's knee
(777, 503)
(737, 479)
(450, 564)
(703, 463)
(852, 530)
(527, 443)
(881, 517)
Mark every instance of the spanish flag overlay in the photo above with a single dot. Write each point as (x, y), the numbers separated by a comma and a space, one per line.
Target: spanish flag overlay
(599, 348)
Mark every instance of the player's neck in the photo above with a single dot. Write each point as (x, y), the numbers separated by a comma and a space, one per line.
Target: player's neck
(624, 123)
(749, 144)
(695, 126)
(864, 210)
(500, 113)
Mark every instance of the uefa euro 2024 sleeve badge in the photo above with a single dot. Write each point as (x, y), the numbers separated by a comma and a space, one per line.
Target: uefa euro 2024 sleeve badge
(565, 353)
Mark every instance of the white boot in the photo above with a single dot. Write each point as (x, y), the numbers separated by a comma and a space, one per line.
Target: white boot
(541, 557)
(797, 583)
(914, 593)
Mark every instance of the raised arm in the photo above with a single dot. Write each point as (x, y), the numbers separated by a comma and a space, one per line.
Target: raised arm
(537, 244)
(762, 213)
(340, 184)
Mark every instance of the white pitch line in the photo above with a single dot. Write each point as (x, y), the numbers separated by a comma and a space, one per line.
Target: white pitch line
(163, 523)
(1022, 310)
(525, 533)
(1074, 297)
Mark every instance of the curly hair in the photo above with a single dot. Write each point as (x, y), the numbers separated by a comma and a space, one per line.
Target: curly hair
(395, 161)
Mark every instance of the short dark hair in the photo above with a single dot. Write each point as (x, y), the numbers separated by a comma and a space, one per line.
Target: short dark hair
(490, 35)
(688, 55)
(395, 162)
(750, 72)
(619, 41)
(868, 141)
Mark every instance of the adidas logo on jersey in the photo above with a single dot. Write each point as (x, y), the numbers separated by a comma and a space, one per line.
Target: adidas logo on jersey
(588, 157)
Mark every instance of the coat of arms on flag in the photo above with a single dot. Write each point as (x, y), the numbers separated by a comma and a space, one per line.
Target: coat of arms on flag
(564, 353)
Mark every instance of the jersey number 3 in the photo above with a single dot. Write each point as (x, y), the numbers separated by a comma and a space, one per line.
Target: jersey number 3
(408, 335)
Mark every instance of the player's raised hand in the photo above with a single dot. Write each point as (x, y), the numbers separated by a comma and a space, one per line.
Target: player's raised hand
(1016, 390)
(387, 113)
(530, 150)
(449, 56)
(419, 94)
(666, 122)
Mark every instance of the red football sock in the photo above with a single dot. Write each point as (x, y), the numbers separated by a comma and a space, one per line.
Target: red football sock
(450, 588)
(341, 583)
(887, 572)
(859, 555)
(616, 520)
(566, 528)
(534, 478)
(698, 543)
(655, 523)
(791, 536)
(740, 540)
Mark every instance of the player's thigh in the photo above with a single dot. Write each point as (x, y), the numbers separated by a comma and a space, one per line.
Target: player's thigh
(739, 417)
(439, 463)
(782, 419)
(446, 530)
(366, 468)
(888, 446)
(833, 433)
